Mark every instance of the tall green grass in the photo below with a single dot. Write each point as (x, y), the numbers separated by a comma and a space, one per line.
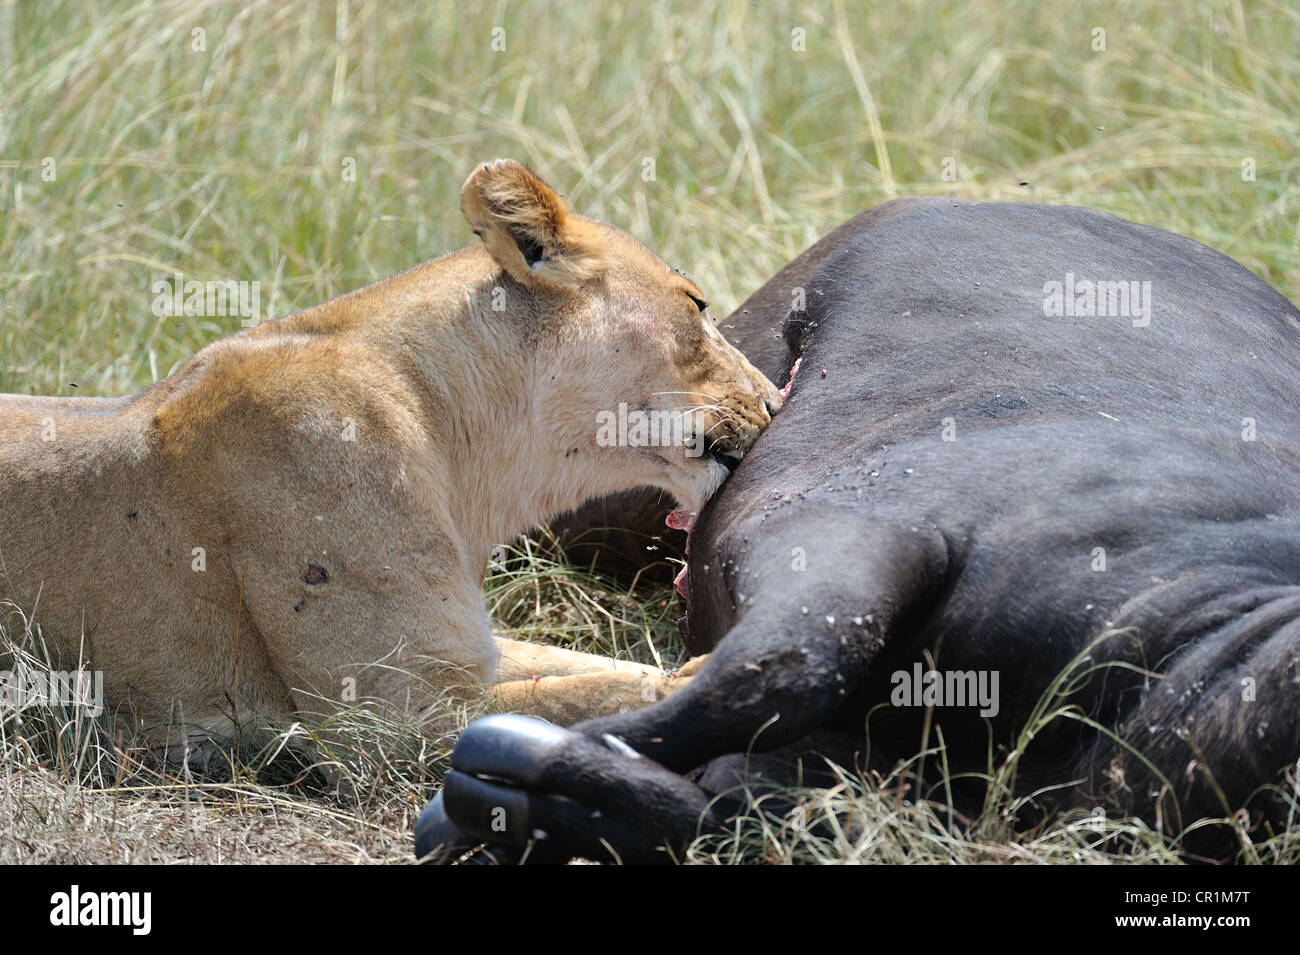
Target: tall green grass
(228, 162)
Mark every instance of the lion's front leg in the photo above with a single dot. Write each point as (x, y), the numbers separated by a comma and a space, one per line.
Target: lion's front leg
(523, 661)
(565, 686)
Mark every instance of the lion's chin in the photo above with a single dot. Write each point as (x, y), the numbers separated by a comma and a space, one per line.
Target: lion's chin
(704, 482)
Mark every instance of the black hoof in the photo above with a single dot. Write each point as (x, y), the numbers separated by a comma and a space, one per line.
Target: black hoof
(488, 811)
(438, 841)
(508, 747)
(496, 758)
(547, 794)
(436, 838)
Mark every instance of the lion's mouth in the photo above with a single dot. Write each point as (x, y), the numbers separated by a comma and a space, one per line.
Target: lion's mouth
(723, 460)
(728, 459)
(682, 518)
(722, 463)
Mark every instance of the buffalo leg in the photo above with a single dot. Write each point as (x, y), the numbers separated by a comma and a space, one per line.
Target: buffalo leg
(612, 784)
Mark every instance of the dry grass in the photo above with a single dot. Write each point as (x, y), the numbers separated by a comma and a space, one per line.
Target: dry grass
(229, 163)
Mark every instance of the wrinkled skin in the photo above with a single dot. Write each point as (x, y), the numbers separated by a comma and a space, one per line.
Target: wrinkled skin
(1110, 484)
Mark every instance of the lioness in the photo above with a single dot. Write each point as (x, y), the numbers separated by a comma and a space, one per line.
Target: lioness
(306, 509)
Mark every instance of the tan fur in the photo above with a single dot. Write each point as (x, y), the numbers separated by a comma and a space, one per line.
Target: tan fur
(390, 437)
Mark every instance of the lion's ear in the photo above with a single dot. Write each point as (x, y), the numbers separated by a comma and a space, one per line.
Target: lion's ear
(526, 227)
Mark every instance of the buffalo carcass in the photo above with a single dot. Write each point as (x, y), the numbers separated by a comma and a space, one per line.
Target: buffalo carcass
(1022, 441)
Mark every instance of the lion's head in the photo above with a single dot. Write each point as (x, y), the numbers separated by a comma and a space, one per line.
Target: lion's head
(634, 385)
